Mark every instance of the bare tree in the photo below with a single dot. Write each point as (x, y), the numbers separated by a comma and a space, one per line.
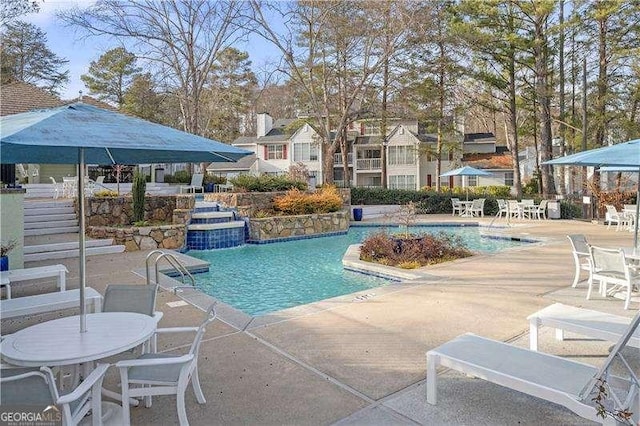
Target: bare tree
(181, 38)
(333, 52)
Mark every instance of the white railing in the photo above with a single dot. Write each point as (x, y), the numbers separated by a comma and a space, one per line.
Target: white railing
(369, 164)
(337, 159)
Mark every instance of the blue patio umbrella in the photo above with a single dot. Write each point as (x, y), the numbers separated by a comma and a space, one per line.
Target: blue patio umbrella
(81, 134)
(623, 155)
(466, 171)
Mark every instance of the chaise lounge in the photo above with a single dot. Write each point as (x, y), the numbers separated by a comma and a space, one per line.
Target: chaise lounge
(571, 384)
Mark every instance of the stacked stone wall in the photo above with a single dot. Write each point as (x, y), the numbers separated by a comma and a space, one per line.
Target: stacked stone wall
(144, 237)
(279, 227)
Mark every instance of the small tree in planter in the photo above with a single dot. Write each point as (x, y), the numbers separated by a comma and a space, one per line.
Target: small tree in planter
(137, 194)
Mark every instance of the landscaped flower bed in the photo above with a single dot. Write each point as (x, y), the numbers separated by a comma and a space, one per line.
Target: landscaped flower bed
(412, 251)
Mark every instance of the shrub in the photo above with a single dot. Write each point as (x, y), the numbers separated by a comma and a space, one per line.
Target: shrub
(137, 193)
(181, 176)
(407, 252)
(296, 202)
(265, 183)
(105, 193)
(569, 210)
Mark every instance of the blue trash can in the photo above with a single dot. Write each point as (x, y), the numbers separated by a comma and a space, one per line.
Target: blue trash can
(357, 214)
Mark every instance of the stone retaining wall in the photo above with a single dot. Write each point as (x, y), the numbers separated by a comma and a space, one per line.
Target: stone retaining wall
(248, 203)
(291, 226)
(144, 237)
(118, 211)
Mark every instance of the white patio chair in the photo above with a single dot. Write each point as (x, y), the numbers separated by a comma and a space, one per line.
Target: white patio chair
(502, 208)
(165, 374)
(514, 209)
(610, 267)
(540, 211)
(581, 256)
(562, 381)
(456, 207)
(477, 207)
(135, 298)
(196, 183)
(614, 217)
(30, 386)
(56, 188)
(527, 209)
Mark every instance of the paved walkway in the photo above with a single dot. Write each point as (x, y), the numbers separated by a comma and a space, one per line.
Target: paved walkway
(351, 361)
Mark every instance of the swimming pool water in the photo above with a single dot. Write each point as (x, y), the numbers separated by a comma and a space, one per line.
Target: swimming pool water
(258, 279)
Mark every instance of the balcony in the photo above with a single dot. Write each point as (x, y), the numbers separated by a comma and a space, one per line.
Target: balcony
(369, 164)
(337, 158)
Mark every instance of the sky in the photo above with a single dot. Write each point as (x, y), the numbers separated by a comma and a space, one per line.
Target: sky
(68, 43)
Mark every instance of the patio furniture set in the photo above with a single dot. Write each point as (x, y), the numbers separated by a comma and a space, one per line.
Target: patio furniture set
(69, 186)
(624, 219)
(54, 363)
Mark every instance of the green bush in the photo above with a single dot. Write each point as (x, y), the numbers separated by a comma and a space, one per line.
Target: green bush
(137, 193)
(265, 183)
(181, 176)
(427, 202)
(570, 210)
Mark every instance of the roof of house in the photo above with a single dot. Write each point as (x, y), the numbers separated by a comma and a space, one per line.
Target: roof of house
(18, 97)
(242, 164)
(501, 159)
(93, 101)
(279, 127)
(479, 137)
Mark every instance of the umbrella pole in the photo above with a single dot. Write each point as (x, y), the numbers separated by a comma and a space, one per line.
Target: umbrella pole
(81, 245)
(637, 218)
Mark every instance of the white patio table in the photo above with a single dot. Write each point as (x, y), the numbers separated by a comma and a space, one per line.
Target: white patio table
(59, 342)
(466, 205)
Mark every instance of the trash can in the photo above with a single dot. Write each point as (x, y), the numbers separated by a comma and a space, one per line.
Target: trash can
(357, 214)
(553, 210)
(159, 175)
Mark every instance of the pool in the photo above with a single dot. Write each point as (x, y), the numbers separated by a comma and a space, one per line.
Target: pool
(259, 279)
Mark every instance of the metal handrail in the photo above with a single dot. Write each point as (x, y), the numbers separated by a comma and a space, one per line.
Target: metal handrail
(173, 261)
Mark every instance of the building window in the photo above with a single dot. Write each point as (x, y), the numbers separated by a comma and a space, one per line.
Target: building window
(371, 129)
(275, 152)
(508, 178)
(399, 155)
(402, 182)
(472, 180)
(305, 152)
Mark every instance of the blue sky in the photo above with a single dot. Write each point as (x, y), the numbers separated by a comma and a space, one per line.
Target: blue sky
(68, 43)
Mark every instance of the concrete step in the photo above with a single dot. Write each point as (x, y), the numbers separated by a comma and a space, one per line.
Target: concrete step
(50, 224)
(46, 231)
(210, 226)
(49, 217)
(48, 210)
(71, 245)
(64, 254)
(28, 205)
(212, 215)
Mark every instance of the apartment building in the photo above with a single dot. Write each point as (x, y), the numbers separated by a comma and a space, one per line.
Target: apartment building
(410, 153)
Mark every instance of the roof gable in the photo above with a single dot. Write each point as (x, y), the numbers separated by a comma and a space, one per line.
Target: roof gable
(19, 97)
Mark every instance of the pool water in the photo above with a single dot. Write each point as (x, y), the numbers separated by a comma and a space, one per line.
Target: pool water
(259, 279)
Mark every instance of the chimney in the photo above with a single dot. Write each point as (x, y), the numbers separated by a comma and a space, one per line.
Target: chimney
(264, 124)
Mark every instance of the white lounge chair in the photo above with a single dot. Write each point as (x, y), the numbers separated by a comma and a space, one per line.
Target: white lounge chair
(540, 211)
(8, 278)
(581, 256)
(598, 325)
(165, 374)
(49, 302)
(571, 384)
(196, 184)
(56, 188)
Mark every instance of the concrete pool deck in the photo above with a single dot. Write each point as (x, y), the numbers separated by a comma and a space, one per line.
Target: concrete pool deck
(362, 360)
